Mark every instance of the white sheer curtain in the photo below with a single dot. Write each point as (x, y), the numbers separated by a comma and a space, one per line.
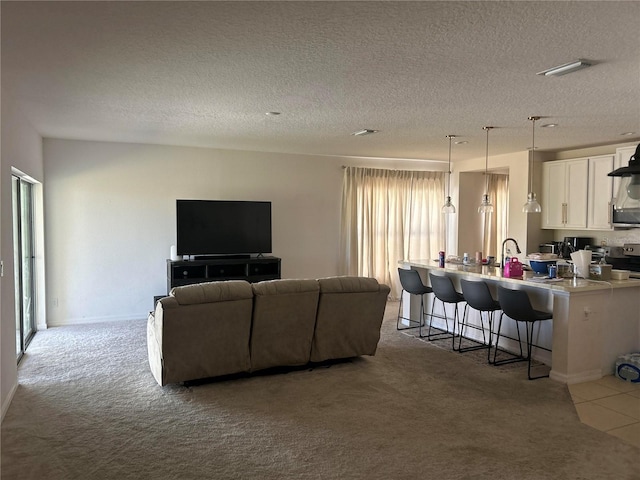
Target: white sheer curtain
(495, 225)
(388, 216)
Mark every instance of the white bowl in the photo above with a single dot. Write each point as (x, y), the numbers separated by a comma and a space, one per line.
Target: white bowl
(620, 274)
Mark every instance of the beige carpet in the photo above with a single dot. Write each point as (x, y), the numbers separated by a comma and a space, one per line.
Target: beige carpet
(88, 408)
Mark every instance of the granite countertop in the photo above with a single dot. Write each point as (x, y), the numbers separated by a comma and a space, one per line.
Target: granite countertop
(529, 278)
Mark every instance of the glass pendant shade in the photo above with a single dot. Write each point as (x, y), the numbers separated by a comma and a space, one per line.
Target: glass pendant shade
(532, 205)
(486, 206)
(633, 189)
(448, 206)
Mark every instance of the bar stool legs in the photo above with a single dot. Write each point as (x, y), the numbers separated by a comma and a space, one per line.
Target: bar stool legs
(478, 297)
(412, 284)
(442, 334)
(513, 357)
(462, 328)
(412, 323)
(529, 348)
(444, 291)
(516, 305)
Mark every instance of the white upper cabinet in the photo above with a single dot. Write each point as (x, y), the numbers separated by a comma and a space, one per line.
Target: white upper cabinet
(600, 193)
(564, 193)
(578, 194)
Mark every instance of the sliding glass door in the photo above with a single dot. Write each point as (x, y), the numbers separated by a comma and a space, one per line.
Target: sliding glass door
(23, 247)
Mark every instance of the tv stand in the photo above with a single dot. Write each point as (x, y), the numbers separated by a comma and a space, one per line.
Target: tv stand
(187, 272)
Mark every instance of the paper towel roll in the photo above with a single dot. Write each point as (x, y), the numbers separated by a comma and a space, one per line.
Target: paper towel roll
(174, 253)
(582, 260)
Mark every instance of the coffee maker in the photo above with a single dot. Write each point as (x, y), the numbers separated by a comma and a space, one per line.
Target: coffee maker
(573, 244)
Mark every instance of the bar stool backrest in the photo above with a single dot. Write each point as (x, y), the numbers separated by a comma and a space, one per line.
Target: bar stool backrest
(443, 289)
(478, 296)
(411, 282)
(516, 304)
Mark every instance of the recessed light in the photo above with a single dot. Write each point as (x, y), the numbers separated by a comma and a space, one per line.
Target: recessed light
(272, 114)
(549, 125)
(366, 131)
(627, 134)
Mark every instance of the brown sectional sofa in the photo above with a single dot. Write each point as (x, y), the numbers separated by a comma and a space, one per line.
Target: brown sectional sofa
(221, 328)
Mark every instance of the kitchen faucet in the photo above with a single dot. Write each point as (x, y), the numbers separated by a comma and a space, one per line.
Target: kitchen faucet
(503, 244)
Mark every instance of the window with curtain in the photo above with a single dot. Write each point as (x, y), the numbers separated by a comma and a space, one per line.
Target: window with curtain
(388, 216)
(495, 225)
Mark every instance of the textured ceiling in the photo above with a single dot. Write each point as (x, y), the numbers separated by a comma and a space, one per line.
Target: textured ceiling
(205, 73)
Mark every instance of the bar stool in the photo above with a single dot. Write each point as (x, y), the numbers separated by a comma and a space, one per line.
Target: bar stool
(516, 305)
(412, 284)
(444, 291)
(478, 297)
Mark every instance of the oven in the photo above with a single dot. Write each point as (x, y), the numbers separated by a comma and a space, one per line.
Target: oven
(626, 257)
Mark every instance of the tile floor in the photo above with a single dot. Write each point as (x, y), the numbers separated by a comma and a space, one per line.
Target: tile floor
(610, 405)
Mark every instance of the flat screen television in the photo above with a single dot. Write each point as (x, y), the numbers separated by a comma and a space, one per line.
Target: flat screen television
(223, 227)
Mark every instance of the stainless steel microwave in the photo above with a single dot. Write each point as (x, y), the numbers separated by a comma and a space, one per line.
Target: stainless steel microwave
(626, 207)
(551, 247)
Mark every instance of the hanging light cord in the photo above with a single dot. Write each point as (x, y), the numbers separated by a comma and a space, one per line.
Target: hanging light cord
(533, 151)
(486, 163)
(449, 168)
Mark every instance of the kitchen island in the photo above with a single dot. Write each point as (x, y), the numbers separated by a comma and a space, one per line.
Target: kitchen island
(593, 321)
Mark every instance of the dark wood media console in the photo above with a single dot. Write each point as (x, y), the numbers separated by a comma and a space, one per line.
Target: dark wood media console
(256, 269)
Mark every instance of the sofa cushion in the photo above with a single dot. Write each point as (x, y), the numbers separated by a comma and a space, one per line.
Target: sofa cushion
(280, 287)
(348, 284)
(212, 292)
(284, 317)
(350, 313)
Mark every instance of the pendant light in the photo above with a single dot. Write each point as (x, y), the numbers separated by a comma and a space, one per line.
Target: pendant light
(486, 206)
(532, 205)
(448, 207)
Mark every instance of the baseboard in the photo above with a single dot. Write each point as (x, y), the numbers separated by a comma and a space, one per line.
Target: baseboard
(7, 402)
(88, 320)
(587, 376)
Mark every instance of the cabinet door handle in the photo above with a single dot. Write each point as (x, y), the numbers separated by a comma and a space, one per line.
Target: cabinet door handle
(609, 213)
(564, 213)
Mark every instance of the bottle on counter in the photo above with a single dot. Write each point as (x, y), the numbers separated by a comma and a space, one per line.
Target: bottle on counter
(441, 258)
(465, 258)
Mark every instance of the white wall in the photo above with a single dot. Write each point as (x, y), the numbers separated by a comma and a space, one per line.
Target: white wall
(516, 164)
(472, 188)
(22, 149)
(111, 217)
